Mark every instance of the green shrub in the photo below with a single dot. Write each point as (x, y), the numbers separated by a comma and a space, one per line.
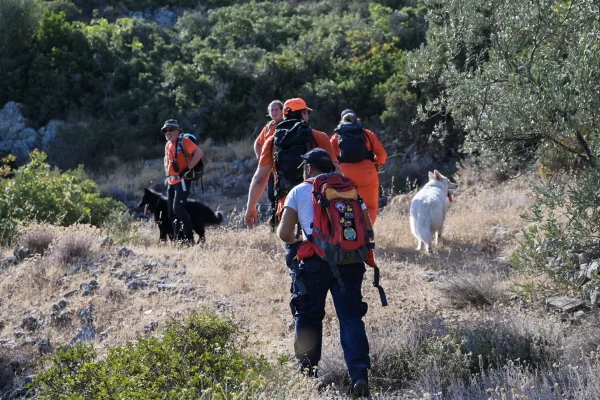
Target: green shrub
(115, 80)
(72, 13)
(19, 20)
(565, 228)
(197, 358)
(496, 343)
(124, 230)
(38, 193)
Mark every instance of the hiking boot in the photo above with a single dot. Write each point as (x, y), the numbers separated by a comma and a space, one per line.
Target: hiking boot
(360, 388)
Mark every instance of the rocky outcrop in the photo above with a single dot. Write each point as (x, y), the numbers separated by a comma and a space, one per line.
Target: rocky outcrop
(18, 139)
(165, 17)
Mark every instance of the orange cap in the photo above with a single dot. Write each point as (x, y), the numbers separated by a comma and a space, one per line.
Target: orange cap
(295, 104)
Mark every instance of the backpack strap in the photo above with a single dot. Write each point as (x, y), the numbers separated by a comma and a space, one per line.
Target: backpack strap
(328, 250)
(376, 284)
(313, 142)
(183, 150)
(329, 257)
(187, 158)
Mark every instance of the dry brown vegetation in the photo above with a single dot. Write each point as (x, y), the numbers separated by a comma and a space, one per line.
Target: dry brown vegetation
(467, 283)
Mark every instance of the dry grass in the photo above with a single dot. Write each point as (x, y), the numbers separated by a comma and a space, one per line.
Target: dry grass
(463, 284)
(75, 243)
(37, 238)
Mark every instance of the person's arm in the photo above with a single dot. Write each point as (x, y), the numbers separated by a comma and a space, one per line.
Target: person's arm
(287, 226)
(198, 154)
(257, 187)
(260, 141)
(377, 148)
(335, 144)
(257, 148)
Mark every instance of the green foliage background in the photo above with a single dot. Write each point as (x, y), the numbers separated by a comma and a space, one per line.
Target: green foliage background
(116, 79)
(38, 193)
(200, 357)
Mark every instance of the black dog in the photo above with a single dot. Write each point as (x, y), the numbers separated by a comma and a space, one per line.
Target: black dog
(200, 214)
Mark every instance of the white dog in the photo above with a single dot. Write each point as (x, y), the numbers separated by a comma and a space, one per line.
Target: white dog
(428, 209)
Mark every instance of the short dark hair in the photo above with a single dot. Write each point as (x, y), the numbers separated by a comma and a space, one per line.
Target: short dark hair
(320, 159)
(293, 115)
(323, 167)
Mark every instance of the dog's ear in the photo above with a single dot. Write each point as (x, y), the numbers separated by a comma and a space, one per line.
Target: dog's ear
(437, 174)
(431, 176)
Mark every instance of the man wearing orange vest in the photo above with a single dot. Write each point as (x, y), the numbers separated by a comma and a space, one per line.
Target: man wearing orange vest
(295, 123)
(176, 168)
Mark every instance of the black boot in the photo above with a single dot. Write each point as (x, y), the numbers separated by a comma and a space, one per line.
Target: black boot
(360, 388)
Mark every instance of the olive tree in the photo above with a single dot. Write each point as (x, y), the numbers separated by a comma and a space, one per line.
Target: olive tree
(521, 77)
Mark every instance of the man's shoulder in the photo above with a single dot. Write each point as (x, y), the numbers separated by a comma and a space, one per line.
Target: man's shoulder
(322, 137)
(267, 147)
(368, 132)
(300, 188)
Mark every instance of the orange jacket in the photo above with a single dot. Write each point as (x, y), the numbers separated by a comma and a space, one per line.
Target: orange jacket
(267, 132)
(364, 174)
(266, 156)
(321, 139)
(182, 163)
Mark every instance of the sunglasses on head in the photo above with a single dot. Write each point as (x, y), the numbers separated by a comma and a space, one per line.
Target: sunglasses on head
(165, 130)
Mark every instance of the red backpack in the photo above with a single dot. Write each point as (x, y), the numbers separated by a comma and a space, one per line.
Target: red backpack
(341, 233)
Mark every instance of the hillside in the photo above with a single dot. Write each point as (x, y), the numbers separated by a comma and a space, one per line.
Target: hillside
(111, 72)
(500, 96)
(114, 294)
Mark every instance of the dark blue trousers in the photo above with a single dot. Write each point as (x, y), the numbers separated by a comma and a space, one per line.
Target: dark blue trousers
(176, 199)
(313, 281)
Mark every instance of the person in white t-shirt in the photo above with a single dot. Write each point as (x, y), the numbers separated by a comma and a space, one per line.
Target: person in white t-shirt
(312, 278)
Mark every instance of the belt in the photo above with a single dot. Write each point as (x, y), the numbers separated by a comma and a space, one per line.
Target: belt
(173, 177)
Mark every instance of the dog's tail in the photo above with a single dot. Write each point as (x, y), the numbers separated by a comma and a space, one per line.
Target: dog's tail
(420, 223)
(215, 218)
(423, 230)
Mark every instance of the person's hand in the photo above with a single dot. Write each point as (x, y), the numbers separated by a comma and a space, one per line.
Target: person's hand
(381, 168)
(251, 217)
(183, 172)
